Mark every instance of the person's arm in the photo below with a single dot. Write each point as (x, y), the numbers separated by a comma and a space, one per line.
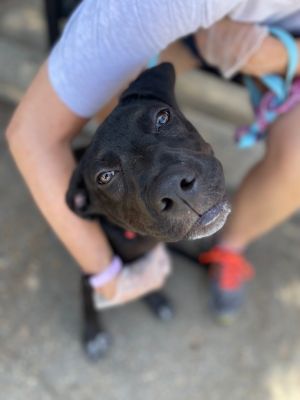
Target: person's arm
(270, 58)
(39, 136)
(234, 46)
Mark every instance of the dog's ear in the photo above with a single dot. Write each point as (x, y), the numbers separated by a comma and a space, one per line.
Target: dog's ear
(77, 196)
(154, 83)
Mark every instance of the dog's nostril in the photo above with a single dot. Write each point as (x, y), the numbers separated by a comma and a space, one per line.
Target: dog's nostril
(187, 183)
(166, 204)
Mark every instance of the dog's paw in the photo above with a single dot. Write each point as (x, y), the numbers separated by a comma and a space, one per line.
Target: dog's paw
(96, 347)
(165, 312)
(160, 305)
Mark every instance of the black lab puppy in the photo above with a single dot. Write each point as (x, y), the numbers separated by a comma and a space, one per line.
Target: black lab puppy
(147, 171)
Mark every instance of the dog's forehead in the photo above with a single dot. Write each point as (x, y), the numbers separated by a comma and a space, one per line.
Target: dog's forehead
(131, 130)
(126, 123)
(137, 113)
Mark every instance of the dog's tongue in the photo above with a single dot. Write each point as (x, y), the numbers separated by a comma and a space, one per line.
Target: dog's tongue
(210, 215)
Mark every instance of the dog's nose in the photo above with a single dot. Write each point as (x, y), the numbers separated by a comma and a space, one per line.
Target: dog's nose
(172, 192)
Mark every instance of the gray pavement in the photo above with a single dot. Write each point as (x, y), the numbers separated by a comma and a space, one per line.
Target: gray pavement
(192, 357)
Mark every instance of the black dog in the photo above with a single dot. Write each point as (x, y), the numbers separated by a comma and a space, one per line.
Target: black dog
(147, 170)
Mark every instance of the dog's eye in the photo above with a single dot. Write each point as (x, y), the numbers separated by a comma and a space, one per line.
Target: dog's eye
(105, 177)
(162, 118)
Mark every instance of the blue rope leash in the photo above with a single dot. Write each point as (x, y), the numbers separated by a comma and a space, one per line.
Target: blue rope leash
(279, 86)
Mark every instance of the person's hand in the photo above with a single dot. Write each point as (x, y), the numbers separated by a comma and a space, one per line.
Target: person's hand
(109, 290)
(136, 279)
(228, 45)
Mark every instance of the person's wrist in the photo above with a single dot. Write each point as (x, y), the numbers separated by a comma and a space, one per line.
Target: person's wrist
(107, 289)
(107, 274)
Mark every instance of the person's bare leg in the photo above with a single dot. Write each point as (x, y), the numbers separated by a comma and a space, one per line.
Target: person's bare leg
(270, 193)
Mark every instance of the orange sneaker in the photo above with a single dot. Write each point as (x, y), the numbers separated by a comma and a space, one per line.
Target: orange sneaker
(229, 272)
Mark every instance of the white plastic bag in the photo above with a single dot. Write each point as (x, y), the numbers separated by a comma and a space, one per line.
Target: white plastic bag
(142, 276)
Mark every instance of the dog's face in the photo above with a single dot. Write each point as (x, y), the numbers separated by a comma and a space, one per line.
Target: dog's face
(148, 169)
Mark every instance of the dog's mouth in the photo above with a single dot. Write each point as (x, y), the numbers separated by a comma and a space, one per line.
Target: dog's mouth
(209, 222)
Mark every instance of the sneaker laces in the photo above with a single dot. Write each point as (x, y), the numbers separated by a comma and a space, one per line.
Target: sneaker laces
(229, 269)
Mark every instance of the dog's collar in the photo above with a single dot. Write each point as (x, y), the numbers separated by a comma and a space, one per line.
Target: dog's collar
(130, 235)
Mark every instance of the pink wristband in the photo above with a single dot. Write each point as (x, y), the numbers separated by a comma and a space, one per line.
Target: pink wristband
(112, 270)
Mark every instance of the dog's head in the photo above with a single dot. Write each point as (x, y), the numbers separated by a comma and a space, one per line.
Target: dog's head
(148, 170)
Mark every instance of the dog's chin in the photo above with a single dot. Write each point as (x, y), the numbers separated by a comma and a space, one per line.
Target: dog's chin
(205, 225)
(210, 222)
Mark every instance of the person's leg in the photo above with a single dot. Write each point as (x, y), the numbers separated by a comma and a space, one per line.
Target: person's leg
(268, 195)
(270, 192)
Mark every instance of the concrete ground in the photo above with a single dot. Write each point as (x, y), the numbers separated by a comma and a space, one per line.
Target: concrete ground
(192, 357)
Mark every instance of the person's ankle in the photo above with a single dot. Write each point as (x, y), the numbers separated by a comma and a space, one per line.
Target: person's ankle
(233, 247)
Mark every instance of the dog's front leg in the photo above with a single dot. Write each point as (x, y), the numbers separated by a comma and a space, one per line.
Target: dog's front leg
(160, 305)
(95, 339)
